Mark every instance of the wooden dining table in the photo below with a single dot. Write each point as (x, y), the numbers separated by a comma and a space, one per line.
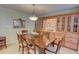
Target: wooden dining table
(42, 44)
(39, 41)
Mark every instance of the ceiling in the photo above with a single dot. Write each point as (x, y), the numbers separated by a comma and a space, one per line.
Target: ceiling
(40, 9)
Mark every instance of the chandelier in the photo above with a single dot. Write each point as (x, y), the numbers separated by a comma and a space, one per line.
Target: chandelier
(34, 17)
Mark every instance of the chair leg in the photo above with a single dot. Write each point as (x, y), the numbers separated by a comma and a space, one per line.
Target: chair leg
(27, 50)
(22, 50)
(19, 49)
(58, 47)
(34, 50)
(42, 50)
(56, 50)
(5, 45)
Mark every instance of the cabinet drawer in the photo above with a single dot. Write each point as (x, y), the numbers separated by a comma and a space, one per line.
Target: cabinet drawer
(73, 40)
(70, 45)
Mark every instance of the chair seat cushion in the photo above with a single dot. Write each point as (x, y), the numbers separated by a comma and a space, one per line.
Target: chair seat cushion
(51, 48)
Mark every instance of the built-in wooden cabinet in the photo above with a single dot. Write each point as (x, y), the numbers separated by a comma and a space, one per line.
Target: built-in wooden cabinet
(63, 23)
(75, 24)
(68, 24)
(71, 40)
(70, 27)
(60, 23)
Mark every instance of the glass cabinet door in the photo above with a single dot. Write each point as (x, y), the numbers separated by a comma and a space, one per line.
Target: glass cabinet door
(69, 23)
(75, 25)
(63, 23)
(60, 23)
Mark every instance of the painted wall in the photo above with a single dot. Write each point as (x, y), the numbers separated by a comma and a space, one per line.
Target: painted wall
(6, 24)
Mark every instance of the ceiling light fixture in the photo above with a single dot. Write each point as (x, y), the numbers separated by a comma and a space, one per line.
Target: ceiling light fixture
(34, 17)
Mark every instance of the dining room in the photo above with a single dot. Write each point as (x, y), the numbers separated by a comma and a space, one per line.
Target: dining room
(39, 29)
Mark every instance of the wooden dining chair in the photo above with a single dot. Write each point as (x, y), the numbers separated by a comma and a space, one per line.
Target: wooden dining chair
(57, 43)
(24, 31)
(22, 43)
(31, 46)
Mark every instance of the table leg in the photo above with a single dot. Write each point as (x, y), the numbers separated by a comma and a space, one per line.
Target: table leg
(42, 50)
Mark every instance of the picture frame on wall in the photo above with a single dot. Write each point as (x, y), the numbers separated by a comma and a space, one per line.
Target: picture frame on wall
(19, 23)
